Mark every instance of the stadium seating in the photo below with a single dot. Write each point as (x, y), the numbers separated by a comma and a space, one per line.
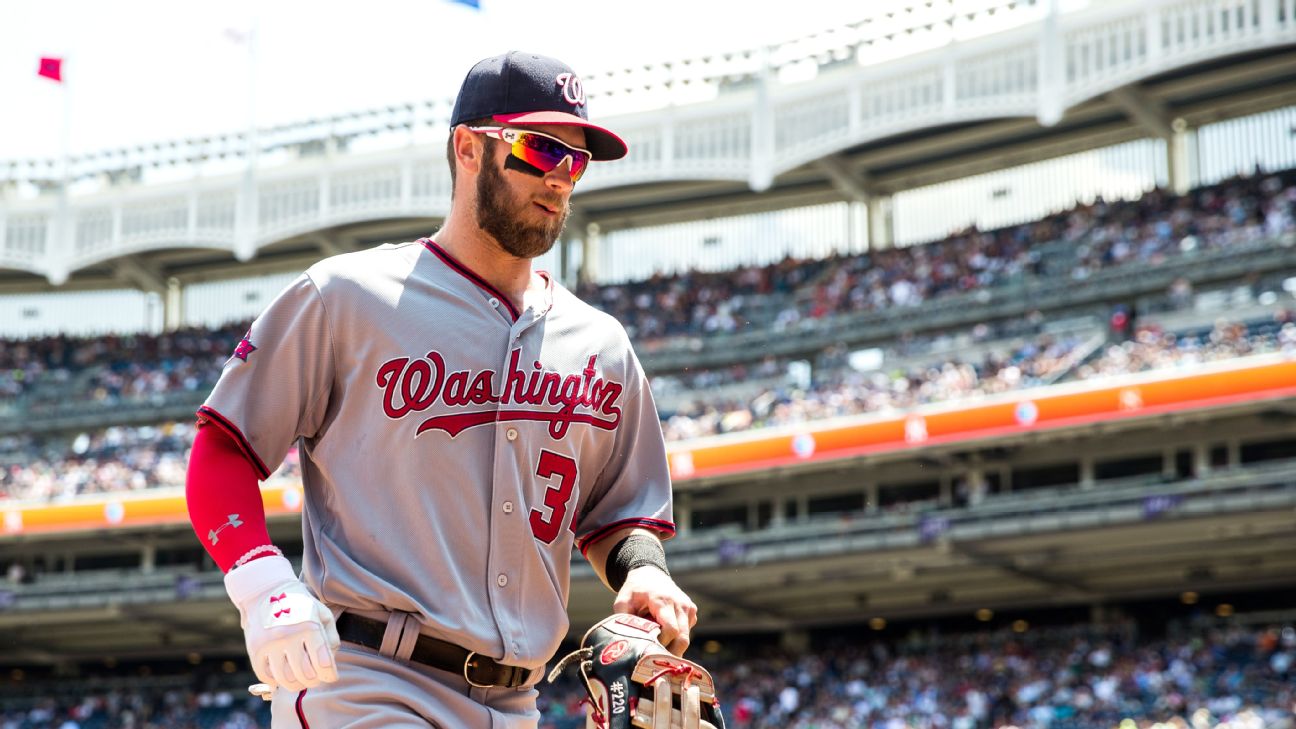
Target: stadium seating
(926, 324)
(108, 413)
(790, 308)
(1036, 473)
(701, 408)
(1203, 672)
(708, 402)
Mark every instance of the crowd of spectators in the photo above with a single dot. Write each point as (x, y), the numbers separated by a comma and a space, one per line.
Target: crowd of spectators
(1072, 677)
(1092, 237)
(52, 374)
(130, 458)
(1152, 348)
(172, 708)
(1050, 679)
(1160, 225)
(113, 460)
(838, 390)
(908, 346)
(113, 369)
(696, 303)
(791, 293)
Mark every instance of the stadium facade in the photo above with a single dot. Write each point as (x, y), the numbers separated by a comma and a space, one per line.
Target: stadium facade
(1077, 412)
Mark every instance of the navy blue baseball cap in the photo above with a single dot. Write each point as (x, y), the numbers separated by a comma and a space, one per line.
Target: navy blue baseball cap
(527, 88)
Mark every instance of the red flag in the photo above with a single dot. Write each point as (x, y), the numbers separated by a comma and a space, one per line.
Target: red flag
(51, 68)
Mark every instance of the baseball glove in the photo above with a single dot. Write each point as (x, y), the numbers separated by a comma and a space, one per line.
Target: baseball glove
(633, 681)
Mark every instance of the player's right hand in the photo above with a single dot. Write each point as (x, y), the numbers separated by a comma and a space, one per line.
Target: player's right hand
(291, 637)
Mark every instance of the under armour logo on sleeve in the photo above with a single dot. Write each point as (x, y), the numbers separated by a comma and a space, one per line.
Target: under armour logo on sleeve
(234, 522)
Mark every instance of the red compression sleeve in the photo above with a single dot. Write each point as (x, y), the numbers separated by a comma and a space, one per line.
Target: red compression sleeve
(224, 498)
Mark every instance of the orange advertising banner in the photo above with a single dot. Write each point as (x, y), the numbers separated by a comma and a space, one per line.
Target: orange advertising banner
(1059, 406)
(1031, 409)
(163, 506)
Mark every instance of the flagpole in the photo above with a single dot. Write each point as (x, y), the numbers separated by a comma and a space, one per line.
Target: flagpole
(65, 230)
(65, 135)
(245, 239)
(253, 41)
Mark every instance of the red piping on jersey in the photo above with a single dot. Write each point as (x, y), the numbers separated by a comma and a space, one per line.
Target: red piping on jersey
(468, 273)
(301, 715)
(658, 525)
(232, 430)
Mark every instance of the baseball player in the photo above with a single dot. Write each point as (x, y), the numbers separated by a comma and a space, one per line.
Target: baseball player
(463, 421)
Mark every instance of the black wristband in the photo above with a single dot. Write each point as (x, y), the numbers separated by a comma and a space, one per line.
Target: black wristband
(634, 551)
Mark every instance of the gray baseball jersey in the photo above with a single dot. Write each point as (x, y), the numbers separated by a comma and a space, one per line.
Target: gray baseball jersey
(453, 449)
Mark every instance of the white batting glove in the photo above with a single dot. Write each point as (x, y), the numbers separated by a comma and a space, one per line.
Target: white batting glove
(290, 635)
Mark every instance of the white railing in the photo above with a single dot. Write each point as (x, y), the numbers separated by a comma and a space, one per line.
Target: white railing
(619, 91)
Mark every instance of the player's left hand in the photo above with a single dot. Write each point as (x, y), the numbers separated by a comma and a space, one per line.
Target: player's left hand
(650, 593)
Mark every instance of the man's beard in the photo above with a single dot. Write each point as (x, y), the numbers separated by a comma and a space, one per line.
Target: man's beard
(502, 217)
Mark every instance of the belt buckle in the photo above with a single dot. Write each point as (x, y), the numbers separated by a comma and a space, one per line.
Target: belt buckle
(469, 662)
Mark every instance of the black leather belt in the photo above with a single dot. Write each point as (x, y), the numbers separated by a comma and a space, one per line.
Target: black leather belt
(478, 670)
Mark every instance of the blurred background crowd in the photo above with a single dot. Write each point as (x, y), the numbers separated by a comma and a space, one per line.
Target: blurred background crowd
(1077, 676)
(61, 374)
(812, 228)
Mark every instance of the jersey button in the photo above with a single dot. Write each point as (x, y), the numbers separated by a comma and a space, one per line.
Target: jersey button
(502, 580)
(511, 434)
(494, 302)
(508, 507)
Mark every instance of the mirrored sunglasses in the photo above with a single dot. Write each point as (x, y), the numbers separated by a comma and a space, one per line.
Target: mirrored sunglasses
(542, 151)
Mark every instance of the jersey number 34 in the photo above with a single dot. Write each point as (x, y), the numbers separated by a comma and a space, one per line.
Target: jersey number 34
(556, 497)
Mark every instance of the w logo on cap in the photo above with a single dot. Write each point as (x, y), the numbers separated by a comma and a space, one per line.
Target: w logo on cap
(528, 88)
(572, 88)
